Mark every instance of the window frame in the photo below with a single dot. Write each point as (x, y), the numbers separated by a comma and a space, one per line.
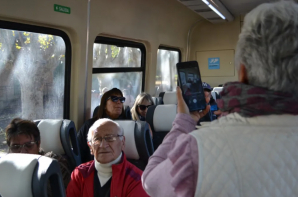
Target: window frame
(172, 49)
(122, 43)
(56, 32)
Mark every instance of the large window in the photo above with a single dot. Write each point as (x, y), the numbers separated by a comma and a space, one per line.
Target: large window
(166, 72)
(34, 73)
(120, 64)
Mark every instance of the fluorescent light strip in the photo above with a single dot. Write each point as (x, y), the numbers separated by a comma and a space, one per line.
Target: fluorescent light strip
(214, 9)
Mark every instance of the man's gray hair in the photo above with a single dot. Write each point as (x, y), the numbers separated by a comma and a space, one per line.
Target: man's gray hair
(268, 46)
(98, 123)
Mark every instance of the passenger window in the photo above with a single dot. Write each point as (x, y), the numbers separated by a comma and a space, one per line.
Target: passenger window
(34, 73)
(117, 63)
(166, 72)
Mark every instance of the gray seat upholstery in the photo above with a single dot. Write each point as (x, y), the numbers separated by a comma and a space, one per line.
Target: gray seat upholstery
(160, 119)
(138, 142)
(59, 136)
(27, 175)
(168, 98)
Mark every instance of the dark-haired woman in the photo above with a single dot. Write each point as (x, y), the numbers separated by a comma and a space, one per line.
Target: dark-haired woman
(111, 106)
(23, 136)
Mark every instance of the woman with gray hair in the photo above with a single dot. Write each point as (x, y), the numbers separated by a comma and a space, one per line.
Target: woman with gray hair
(252, 149)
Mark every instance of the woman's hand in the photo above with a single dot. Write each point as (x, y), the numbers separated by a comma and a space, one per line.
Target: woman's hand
(182, 107)
(218, 112)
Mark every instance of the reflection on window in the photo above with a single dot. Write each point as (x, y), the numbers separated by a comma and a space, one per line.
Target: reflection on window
(130, 83)
(105, 55)
(166, 72)
(32, 72)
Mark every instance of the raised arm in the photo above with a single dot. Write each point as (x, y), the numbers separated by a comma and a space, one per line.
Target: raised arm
(172, 169)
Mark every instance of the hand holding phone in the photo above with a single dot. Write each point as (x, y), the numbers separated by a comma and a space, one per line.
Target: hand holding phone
(191, 85)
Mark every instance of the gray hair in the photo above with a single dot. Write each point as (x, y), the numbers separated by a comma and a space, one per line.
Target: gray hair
(268, 46)
(98, 123)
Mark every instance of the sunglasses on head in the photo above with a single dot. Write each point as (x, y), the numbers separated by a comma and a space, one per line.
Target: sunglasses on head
(116, 98)
(143, 107)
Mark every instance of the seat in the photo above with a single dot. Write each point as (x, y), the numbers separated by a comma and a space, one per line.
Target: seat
(138, 142)
(217, 89)
(213, 95)
(126, 110)
(27, 175)
(59, 136)
(167, 98)
(160, 119)
(156, 100)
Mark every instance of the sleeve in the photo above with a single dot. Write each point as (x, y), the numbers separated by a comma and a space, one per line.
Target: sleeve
(172, 169)
(82, 140)
(137, 191)
(74, 188)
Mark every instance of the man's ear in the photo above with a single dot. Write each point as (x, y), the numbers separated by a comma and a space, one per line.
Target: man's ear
(90, 147)
(123, 143)
(242, 74)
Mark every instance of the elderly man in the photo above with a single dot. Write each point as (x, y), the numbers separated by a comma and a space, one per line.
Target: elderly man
(252, 149)
(110, 174)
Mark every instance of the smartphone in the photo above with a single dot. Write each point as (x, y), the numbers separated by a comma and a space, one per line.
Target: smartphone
(191, 85)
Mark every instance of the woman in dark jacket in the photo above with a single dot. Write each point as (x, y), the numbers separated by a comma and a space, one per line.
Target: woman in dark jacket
(111, 106)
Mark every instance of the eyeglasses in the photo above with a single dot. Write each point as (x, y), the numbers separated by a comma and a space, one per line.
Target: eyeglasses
(116, 98)
(16, 148)
(108, 138)
(143, 107)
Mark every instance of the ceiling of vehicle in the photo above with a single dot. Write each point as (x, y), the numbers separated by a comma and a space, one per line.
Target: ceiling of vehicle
(229, 8)
(239, 7)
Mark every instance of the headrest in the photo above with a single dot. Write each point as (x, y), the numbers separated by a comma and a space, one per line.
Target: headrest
(130, 149)
(213, 95)
(154, 100)
(170, 98)
(16, 172)
(163, 117)
(50, 135)
(217, 89)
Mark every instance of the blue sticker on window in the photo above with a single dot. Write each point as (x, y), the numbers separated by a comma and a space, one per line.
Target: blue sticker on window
(213, 63)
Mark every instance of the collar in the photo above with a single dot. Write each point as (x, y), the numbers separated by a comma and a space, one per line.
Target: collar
(107, 167)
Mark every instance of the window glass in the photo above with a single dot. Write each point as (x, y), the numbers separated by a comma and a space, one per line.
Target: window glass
(166, 72)
(120, 64)
(32, 73)
(105, 55)
(130, 83)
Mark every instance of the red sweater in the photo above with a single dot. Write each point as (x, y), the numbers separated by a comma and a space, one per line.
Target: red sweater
(126, 180)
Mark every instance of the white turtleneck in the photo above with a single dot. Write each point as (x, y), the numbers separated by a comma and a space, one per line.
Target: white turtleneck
(104, 171)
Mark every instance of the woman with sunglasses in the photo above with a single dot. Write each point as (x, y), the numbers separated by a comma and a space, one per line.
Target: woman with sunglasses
(140, 107)
(111, 106)
(23, 136)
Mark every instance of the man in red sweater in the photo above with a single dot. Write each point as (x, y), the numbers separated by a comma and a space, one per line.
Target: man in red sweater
(109, 174)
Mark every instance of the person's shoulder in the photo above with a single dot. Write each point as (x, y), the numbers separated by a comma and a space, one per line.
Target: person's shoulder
(87, 124)
(85, 168)
(133, 171)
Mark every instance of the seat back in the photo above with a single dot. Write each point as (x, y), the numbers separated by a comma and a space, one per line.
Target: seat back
(156, 100)
(217, 89)
(213, 95)
(170, 98)
(27, 175)
(59, 136)
(138, 142)
(160, 119)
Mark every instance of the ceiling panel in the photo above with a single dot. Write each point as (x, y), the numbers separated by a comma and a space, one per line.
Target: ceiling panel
(238, 7)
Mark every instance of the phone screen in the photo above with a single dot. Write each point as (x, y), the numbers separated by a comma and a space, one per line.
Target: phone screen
(191, 85)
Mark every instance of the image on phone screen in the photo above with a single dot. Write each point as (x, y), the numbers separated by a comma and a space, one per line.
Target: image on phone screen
(191, 85)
